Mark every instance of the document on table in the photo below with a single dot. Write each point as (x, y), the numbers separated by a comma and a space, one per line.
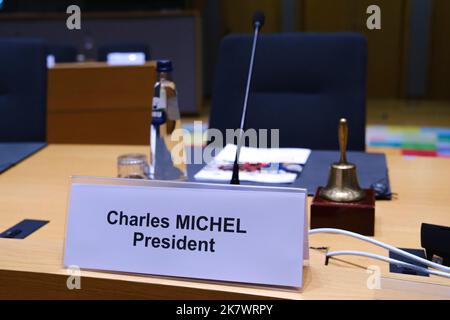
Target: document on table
(264, 165)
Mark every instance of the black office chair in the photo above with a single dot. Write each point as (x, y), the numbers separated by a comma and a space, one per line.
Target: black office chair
(104, 50)
(23, 90)
(63, 53)
(303, 83)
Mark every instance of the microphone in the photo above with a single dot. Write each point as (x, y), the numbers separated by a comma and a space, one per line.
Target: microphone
(258, 22)
(258, 19)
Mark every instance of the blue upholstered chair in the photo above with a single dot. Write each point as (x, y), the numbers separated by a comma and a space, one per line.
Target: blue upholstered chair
(63, 52)
(303, 83)
(23, 90)
(104, 50)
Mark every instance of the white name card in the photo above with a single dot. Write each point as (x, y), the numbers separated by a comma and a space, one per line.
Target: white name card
(205, 231)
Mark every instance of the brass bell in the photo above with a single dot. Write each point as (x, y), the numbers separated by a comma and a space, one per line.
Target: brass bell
(343, 183)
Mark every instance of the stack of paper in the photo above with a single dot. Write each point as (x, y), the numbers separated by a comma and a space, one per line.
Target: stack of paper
(275, 165)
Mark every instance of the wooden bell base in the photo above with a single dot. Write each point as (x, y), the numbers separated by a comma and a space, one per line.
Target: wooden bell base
(354, 216)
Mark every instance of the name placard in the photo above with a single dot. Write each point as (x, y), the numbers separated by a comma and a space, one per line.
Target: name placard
(205, 231)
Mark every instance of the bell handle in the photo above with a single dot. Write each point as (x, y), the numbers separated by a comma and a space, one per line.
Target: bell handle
(343, 138)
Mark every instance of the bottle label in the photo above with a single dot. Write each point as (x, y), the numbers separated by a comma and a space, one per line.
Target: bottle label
(159, 106)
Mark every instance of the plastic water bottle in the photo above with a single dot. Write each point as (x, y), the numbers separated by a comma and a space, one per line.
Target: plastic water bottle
(167, 154)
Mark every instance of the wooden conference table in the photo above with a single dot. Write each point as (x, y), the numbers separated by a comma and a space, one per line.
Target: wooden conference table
(38, 188)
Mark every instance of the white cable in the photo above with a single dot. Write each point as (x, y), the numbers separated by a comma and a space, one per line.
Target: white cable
(389, 260)
(383, 245)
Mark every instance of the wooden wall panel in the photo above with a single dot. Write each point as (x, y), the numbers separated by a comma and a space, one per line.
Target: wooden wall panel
(326, 15)
(386, 47)
(439, 75)
(237, 15)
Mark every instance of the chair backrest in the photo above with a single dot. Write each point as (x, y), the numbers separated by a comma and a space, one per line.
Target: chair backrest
(303, 83)
(104, 50)
(63, 52)
(23, 90)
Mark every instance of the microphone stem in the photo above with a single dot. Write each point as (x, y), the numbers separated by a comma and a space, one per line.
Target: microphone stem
(235, 177)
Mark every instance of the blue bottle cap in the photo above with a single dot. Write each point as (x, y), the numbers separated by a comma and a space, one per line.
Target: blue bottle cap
(164, 66)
